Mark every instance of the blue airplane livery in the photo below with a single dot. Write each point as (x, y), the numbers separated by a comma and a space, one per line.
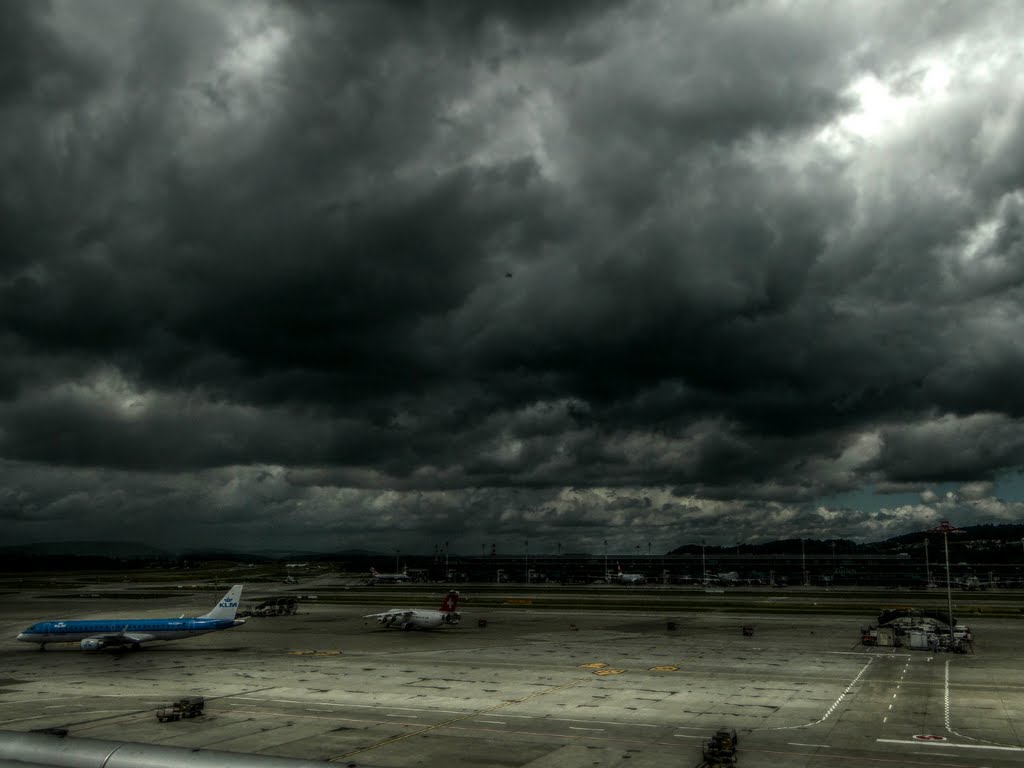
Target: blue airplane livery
(97, 634)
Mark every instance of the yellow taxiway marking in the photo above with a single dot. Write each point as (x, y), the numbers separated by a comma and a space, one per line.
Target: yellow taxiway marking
(664, 668)
(600, 668)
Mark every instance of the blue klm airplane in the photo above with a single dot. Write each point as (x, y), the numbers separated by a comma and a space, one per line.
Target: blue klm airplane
(96, 634)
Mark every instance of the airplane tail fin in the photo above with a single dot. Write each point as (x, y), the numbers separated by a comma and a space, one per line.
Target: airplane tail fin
(228, 605)
(451, 602)
(373, 571)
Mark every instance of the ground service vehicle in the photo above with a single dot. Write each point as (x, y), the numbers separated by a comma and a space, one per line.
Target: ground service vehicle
(720, 749)
(187, 706)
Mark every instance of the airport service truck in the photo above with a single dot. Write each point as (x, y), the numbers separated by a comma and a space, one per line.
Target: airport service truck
(720, 749)
(187, 706)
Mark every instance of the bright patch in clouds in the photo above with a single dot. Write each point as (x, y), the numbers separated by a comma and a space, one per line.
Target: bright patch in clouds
(879, 108)
(884, 107)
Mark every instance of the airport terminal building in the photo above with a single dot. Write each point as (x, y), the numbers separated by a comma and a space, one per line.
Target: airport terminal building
(727, 569)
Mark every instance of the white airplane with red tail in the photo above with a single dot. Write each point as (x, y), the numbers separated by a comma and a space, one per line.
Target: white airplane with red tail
(418, 618)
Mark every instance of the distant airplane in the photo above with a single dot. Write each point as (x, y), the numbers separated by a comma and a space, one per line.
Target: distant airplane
(725, 577)
(96, 634)
(628, 578)
(974, 584)
(418, 618)
(387, 578)
(508, 274)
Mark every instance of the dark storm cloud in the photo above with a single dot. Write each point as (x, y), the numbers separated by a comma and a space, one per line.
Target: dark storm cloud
(953, 449)
(756, 256)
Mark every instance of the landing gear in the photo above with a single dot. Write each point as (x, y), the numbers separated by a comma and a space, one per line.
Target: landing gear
(42, 647)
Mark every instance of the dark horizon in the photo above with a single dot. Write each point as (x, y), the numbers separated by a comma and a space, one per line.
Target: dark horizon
(1008, 536)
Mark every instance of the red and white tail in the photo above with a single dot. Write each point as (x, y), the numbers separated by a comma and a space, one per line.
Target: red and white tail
(618, 566)
(451, 602)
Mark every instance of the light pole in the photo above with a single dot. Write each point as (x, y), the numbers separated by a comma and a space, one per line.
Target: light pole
(927, 566)
(526, 559)
(945, 529)
(832, 581)
(703, 564)
(803, 562)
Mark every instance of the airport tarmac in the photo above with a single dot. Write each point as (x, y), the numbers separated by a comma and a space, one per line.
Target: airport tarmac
(533, 687)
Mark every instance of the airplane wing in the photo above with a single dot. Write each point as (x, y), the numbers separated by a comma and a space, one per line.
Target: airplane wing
(136, 637)
(392, 618)
(120, 638)
(390, 615)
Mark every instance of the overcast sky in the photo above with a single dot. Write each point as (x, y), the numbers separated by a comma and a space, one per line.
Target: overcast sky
(333, 275)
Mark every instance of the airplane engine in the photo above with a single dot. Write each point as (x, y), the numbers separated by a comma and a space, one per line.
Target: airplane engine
(91, 644)
(451, 618)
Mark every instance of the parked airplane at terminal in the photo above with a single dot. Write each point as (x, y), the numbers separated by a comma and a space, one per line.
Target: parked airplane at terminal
(387, 578)
(418, 618)
(96, 634)
(724, 578)
(974, 584)
(628, 578)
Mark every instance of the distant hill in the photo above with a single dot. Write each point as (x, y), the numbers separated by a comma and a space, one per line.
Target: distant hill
(1009, 533)
(780, 546)
(133, 550)
(979, 538)
(118, 550)
(274, 554)
(1000, 541)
